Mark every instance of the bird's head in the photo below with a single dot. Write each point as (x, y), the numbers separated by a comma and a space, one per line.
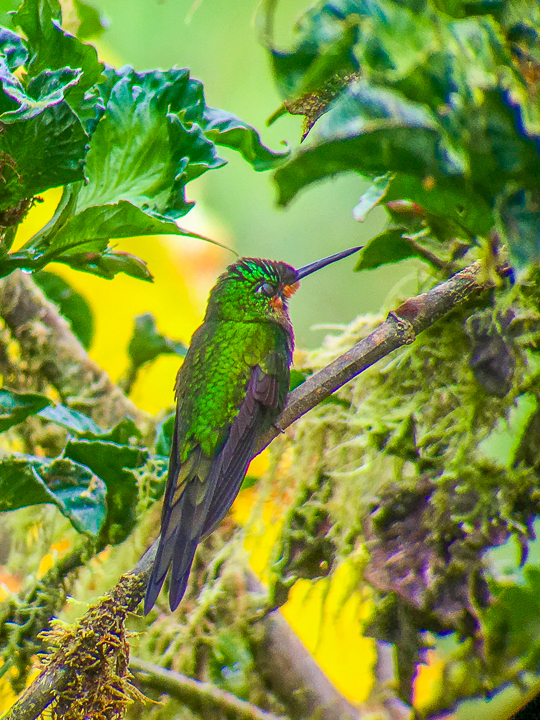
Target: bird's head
(255, 290)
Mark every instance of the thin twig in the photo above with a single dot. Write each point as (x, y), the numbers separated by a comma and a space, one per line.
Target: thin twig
(400, 328)
(200, 697)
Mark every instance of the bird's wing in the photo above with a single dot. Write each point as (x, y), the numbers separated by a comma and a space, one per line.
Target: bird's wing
(259, 404)
(201, 490)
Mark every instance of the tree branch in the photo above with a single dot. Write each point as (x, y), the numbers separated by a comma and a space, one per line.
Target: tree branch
(288, 668)
(45, 336)
(400, 328)
(198, 696)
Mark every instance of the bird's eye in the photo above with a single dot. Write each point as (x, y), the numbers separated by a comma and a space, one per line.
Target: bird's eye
(266, 289)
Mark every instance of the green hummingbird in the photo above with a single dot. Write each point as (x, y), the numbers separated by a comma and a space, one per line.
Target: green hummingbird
(231, 387)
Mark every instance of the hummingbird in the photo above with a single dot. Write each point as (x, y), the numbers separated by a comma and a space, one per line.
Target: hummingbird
(231, 388)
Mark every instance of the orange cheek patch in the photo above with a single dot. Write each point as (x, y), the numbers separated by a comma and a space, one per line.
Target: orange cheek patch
(289, 290)
(276, 302)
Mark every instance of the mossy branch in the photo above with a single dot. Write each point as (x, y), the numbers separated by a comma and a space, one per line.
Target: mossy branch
(400, 328)
(46, 337)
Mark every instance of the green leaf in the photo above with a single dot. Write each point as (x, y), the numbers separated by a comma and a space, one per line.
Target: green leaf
(108, 264)
(371, 130)
(388, 247)
(442, 105)
(51, 48)
(145, 149)
(148, 145)
(375, 132)
(42, 147)
(327, 34)
(164, 433)
(17, 406)
(520, 215)
(73, 488)
(91, 23)
(71, 304)
(372, 197)
(148, 343)
(126, 431)
(115, 465)
(72, 420)
(13, 49)
(227, 130)
(43, 92)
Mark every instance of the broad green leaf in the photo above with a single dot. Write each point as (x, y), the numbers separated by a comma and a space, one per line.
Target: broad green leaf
(376, 131)
(145, 149)
(72, 487)
(388, 247)
(367, 129)
(442, 104)
(372, 197)
(72, 420)
(71, 304)
(148, 343)
(17, 406)
(115, 465)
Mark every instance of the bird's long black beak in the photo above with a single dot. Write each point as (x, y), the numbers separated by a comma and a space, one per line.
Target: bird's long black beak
(318, 264)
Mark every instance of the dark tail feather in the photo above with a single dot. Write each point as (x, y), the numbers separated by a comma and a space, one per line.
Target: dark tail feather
(152, 591)
(164, 556)
(180, 575)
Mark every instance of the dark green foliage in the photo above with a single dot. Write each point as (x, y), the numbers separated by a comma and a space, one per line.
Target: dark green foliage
(148, 343)
(164, 432)
(114, 464)
(16, 407)
(442, 95)
(71, 304)
(72, 487)
(389, 246)
(73, 420)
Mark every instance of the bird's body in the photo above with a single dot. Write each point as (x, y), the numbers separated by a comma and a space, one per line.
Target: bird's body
(231, 387)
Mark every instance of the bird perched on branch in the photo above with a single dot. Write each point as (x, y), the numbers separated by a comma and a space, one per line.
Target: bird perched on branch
(231, 387)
